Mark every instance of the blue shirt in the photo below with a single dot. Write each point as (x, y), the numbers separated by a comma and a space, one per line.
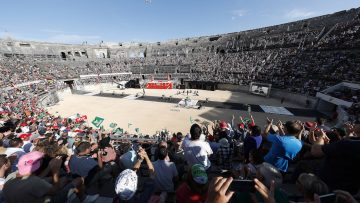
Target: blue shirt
(81, 165)
(283, 149)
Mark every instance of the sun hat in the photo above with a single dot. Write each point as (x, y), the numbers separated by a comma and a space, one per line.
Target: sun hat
(199, 174)
(126, 184)
(29, 162)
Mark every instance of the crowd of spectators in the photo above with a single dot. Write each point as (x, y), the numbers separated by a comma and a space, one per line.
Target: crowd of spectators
(318, 63)
(48, 158)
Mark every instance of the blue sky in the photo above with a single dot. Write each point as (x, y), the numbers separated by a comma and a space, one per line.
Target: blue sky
(75, 21)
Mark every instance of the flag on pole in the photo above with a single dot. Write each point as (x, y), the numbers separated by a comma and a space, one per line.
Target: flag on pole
(112, 125)
(97, 121)
(129, 124)
(137, 130)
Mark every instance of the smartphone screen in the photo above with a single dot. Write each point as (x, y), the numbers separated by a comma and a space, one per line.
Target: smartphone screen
(328, 198)
(242, 186)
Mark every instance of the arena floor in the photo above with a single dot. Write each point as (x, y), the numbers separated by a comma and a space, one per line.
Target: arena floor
(151, 113)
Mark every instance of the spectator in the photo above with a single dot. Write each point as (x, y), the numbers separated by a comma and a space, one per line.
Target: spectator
(14, 152)
(284, 148)
(165, 172)
(341, 159)
(224, 153)
(267, 175)
(4, 169)
(197, 151)
(252, 141)
(22, 187)
(194, 190)
(310, 185)
(82, 164)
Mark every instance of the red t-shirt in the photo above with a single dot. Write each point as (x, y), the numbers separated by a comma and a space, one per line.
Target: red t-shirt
(185, 195)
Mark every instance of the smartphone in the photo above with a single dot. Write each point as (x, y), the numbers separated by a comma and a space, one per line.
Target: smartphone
(328, 198)
(242, 186)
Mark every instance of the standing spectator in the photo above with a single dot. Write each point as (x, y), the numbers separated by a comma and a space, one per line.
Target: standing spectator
(284, 147)
(252, 141)
(82, 163)
(224, 153)
(197, 151)
(176, 154)
(165, 172)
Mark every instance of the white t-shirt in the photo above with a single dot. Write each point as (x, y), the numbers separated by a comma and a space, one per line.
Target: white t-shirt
(165, 171)
(197, 152)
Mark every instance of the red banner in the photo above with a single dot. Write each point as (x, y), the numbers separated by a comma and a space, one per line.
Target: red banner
(159, 85)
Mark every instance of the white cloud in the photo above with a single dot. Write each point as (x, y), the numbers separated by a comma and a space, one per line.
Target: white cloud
(73, 38)
(239, 13)
(299, 13)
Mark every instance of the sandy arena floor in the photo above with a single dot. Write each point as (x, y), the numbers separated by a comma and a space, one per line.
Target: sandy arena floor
(150, 117)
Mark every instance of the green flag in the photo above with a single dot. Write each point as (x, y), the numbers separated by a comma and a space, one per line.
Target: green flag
(119, 131)
(191, 120)
(113, 125)
(42, 115)
(137, 130)
(129, 124)
(247, 120)
(97, 121)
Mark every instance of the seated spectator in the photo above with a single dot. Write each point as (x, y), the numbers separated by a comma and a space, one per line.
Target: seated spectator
(249, 170)
(126, 188)
(268, 175)
(4, 169)
(310, 185)
(165, 172)
(321, 124)
(284, 147)
(194, 190)
(197, 151)
(22, 187)
(14, 152)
